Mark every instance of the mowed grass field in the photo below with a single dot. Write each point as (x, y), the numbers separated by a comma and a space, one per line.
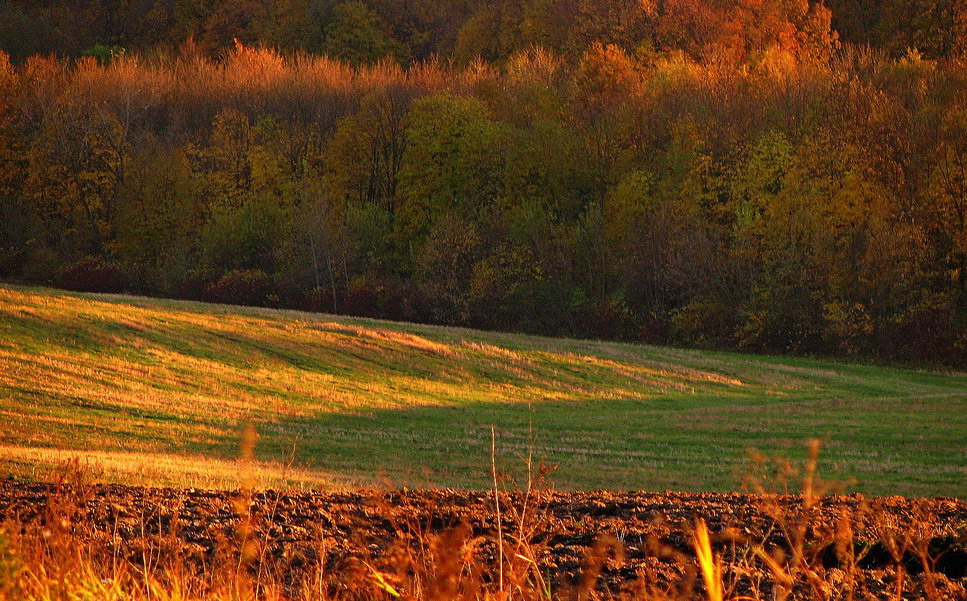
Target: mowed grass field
(157, 392)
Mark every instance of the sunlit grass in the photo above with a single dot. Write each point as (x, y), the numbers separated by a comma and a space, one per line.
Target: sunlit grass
(162, 469)
(364, 401)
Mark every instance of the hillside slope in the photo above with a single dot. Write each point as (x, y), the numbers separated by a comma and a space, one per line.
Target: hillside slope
(157, 392)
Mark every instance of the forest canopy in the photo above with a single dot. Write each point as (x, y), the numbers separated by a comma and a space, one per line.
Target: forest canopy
(416, 30)
(783, 176)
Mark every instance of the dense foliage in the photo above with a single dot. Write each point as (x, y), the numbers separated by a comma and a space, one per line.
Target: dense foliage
(414, 30)
(734, 174)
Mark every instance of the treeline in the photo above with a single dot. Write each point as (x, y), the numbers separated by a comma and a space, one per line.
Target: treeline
(416, 30)
(772, 193)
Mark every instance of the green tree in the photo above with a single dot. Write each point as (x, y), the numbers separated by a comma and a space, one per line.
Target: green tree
(160, 215)
(288, 25)
(492, 33)
(755, 182)
(452, 165)
(223, 164)
(252, 187)
(357, 35)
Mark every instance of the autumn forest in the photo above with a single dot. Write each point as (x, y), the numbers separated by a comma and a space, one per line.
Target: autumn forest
(774, 176)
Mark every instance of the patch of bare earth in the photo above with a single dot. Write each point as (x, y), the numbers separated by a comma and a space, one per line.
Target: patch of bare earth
(871, 548)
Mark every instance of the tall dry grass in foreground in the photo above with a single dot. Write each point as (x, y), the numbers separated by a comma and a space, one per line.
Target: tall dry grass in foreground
(797, 555)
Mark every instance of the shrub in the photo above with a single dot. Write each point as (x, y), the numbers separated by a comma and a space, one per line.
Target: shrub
(606, 319)
(403, 302)
(364, 296)
(251, 287)
(321, 300)
(192, 286)
(93, 274)
(712, 324)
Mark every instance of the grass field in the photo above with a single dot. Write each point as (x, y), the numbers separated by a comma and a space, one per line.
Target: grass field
(157, 392)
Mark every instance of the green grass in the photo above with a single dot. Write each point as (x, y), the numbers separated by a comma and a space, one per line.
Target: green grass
(138, 382)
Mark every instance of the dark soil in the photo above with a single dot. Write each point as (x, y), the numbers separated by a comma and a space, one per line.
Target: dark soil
(640, 535)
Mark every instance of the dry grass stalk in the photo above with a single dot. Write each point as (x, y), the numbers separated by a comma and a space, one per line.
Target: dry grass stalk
(50, 560)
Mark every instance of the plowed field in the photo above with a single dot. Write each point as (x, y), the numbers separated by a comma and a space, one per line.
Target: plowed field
(895, 544)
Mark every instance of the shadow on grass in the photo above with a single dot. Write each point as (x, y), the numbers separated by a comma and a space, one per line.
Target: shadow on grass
(669, 443)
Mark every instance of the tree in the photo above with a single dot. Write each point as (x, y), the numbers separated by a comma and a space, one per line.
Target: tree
(755, 183)
(367, 150)
(663, 245)
(251, 187)
(357, 35)
(314, 251)
(937, 28)
(492, 33)
(288, 25)
(623, 23)
(13, 224)
(606, 86)
(28, 31)
(735, 31)
(950, 196)
(856, 20)
(222, 165)
(452, 163)
(74, 177)
(800, 27)
(444, 268)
